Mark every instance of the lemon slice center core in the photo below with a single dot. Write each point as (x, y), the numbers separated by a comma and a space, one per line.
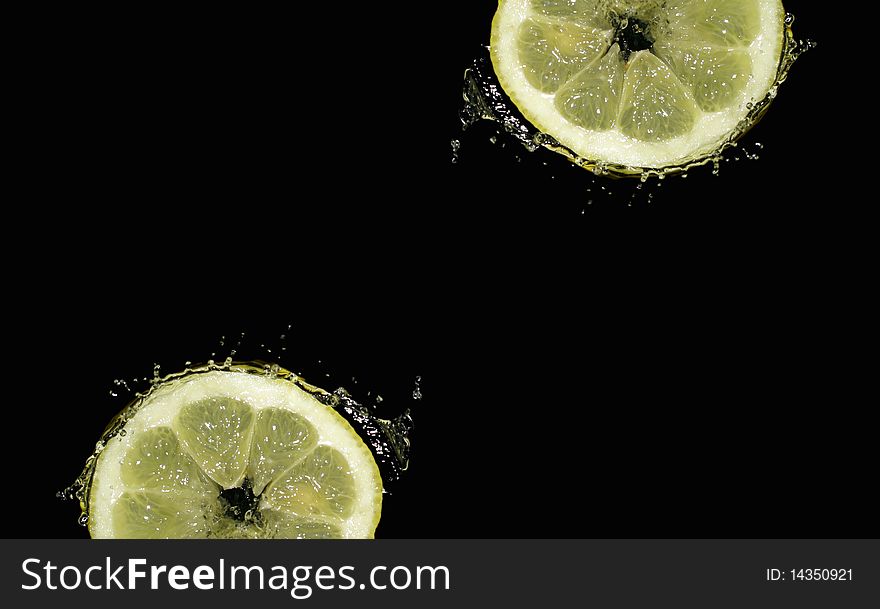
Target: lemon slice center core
(632, 34)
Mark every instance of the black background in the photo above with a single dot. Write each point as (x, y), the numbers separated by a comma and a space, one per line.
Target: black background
(688, 366)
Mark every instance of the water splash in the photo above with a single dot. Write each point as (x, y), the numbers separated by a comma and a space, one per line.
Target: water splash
(484, 99)
(389, 439)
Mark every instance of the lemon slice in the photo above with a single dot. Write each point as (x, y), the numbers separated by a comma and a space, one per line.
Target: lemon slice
(638, 83)
(232, 454)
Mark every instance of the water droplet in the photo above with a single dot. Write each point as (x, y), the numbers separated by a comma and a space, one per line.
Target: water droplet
(417, 392)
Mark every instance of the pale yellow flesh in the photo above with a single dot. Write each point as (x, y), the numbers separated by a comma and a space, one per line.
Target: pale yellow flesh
(710, 61)
(201, 434)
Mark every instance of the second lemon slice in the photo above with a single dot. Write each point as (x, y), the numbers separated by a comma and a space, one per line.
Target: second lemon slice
(637, 83)
(234, 454)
